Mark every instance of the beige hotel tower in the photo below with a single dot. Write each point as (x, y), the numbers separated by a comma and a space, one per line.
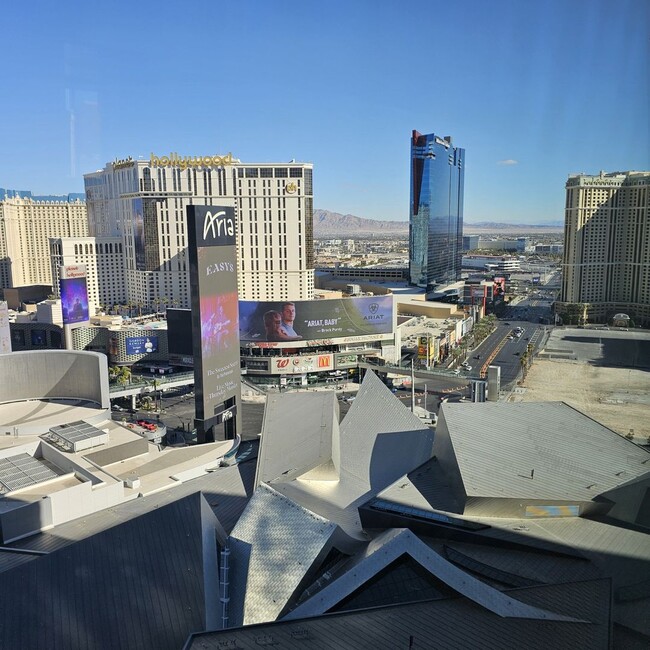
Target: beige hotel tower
(143, 203)
(606, 265)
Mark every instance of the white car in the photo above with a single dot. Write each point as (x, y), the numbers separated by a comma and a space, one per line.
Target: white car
(467, 368)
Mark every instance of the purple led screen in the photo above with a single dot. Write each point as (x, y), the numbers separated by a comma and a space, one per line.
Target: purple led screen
(74, 300)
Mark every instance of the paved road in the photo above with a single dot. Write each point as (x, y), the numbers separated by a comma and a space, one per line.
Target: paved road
(178, 414)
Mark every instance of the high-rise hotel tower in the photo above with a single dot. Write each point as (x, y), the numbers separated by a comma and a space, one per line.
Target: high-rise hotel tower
(606, 265)
(143, 202)
(436, 211)
(26, 225)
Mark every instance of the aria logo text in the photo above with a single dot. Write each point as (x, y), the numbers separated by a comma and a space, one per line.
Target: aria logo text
(218, 224)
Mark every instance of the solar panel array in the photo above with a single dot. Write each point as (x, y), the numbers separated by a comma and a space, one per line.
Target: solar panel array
(77, 435)
(23, 471)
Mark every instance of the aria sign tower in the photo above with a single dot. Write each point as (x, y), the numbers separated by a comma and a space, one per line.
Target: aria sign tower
(215, 319)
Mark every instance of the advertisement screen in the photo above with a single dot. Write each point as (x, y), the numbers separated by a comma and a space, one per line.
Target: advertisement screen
(17, 339)
(141, 344)
(74, 294)
(499, 289)
(179, 337)
(477, 294)
(423, 347)
(311, 320)
(138, 234)
(215, 313)
(346, 360)
(39, 338)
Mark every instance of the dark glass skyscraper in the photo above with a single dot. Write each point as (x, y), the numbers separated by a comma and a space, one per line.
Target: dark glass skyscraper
(436, 212)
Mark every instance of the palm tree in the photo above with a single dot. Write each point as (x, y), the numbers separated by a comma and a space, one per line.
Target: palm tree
(124, 375)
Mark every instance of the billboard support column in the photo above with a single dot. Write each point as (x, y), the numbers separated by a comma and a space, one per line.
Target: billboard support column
(67, 337)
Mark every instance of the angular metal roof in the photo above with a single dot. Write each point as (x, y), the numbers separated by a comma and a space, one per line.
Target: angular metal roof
(305, 424)
(378, 441)
(528, 450)
(396, 542)
(453, 624)
(226, 490)
(141, 584)
(272, 547)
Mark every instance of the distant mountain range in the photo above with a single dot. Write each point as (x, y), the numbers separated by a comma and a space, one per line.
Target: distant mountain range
(328, 223)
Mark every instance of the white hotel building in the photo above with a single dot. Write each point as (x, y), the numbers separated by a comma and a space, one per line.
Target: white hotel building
(143, 202)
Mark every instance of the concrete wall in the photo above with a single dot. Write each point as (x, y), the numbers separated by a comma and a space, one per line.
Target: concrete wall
(25, 519)
(54, 374)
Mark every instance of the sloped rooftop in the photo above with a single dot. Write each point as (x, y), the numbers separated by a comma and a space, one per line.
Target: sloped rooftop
(378, 441)
(152, 567)
(272, 548)
(530, 450)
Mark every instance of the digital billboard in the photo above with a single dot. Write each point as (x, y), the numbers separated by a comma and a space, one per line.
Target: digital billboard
(426, 348)
(39, 338)
(138, 234)
(17, 339)
(215, 313)
(293, 323)
(179, 337)
(499, 288)
(141, 344)
(74, 294)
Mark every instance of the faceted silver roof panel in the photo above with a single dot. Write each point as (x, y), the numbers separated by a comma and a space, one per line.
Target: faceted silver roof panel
(378, 441)
(305, 423)
(394, 543)
(530, 450)
(22, 470)
(272, 547)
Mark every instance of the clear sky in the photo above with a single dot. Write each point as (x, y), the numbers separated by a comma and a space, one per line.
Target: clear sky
(532, 90)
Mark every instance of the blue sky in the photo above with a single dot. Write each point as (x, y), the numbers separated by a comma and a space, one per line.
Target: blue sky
(532, 90)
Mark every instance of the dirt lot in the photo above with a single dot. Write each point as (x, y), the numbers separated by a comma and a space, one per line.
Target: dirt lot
(617, 397)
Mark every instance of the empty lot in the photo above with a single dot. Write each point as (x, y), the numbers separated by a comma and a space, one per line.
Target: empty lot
(603, 373)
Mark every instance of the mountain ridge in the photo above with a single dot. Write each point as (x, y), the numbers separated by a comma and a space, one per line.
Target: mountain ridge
(327, 222)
